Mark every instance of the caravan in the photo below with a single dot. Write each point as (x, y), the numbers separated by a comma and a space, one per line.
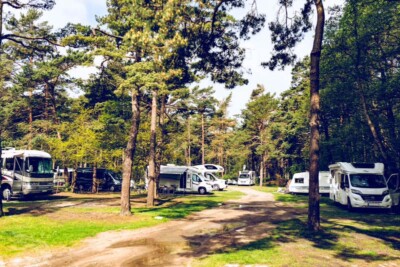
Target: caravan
(26, 172)
(359, 185)
(247, 178)
(301, 181)
(182, 179)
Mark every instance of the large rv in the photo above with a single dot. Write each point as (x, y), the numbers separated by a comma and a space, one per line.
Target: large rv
(183, 179)
(247, 178)
(359, 185)
(300, 183)
(26, 172)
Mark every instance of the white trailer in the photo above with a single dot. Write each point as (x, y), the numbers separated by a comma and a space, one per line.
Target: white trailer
(359, 185)
(182, 179)
(247, 178)
(26, 172)
(300, 183)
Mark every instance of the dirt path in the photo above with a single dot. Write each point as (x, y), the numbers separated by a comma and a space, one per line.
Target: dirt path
(178, 242)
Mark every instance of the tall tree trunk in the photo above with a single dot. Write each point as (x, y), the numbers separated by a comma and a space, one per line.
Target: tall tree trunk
(75, 175)
(30, 110)
(160, 144)
(314, 197)
(262, 164)
(1, 161)
(128, 156)
(152, 156)
(95, 184)
(202, 139)
(189, 161)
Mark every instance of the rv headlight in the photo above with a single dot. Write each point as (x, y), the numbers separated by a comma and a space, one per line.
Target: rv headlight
(386, 192)
(354, 191)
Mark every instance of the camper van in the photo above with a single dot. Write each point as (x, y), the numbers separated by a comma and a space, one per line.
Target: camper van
(107, 179)
(247, 178)
(216, 182)
(301, 181)
(26, 172)
(359, 185)
(182, 179)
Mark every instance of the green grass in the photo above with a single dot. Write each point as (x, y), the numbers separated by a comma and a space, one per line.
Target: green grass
(360, 238)
(28, 231)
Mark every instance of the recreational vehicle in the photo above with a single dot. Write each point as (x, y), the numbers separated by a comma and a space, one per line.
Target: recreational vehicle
(107, 180)
(216, 182)
(182, 179)
(301, 181)
(26, 172)
(359, 185)
(247, 178)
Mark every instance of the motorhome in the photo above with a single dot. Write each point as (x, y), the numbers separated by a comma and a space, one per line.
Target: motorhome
(300, 183)
(359, 185)
(247, 178)
(26, 172)
(216, 182)
(107, 179)
(182, 179)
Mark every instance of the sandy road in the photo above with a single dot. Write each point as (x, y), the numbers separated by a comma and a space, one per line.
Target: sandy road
(178, 242)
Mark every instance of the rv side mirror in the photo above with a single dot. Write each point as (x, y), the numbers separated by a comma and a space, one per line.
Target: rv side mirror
(30, 169)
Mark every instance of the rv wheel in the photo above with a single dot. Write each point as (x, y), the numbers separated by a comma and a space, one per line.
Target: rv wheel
(349, 206)
(202, 191)
(7, 193)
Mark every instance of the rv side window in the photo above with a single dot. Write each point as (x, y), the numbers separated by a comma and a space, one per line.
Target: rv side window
(299, 180)
(393, 182)
(9, 164)
(196, 178)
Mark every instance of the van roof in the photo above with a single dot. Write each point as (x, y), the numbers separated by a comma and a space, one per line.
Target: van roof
(358, 167)
(25, 153)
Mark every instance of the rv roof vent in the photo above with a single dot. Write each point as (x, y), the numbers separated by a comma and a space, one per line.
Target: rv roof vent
(363, 165)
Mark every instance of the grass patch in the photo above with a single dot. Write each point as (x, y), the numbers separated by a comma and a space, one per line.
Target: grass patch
(359, 238)
(33, 226)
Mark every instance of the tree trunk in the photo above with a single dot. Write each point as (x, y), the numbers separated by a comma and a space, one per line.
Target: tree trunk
(1, 177)
(262, 169)
(75, 175)
(160, 144)
(152, 156)
(314, 197)
(129, 155)
(202, 138)
(95, 184)
(189, 161)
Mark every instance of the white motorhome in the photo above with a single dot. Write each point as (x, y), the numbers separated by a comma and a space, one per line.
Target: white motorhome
(26, 172)
(247, 178)
(300, 183)
(216, 182)
(182, 179)
(359, 185)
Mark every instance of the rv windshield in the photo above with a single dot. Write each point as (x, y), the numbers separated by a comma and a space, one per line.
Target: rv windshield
(367, 180)
(39, 167)
(244, 176)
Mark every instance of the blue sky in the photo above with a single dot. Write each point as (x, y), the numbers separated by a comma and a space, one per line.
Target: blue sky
(258, 49)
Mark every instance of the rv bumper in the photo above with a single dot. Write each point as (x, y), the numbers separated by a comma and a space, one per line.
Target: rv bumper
(358, 202)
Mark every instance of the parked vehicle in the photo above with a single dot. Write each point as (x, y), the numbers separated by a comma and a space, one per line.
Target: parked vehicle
(216, 182)
(59, 178)
(247, 178)
(26, 172)
(182, 179)
(107, 180)
(359, 185)
(300, 183)
(231, 182)
(394, 190)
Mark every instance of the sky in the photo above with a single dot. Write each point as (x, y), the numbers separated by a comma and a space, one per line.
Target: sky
(258, 48)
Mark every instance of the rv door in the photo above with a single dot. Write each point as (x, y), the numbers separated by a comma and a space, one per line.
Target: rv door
(189, 180)
(343, 188)
(18, 174)
(394, 188)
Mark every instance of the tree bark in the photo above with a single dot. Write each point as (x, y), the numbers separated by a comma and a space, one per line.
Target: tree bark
(1, 177)
(129, 154)
(189, 161)
(152, 156)
(95, 184)
(202, 139)
(314, 197)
